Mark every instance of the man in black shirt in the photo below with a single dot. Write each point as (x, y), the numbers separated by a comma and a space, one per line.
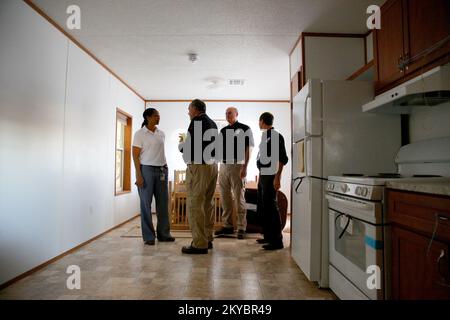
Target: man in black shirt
(237, 141)
(201, 177)
(271, 159)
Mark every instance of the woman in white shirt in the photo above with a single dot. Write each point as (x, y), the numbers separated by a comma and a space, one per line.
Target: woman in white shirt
(151, 178)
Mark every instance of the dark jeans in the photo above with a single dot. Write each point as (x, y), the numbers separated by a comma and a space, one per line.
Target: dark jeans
(268, 211)
(155, 184)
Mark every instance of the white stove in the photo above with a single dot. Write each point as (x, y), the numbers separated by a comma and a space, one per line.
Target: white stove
(359, 233)
(368, 187)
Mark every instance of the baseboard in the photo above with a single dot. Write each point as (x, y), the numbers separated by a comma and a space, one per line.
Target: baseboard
(43, 265)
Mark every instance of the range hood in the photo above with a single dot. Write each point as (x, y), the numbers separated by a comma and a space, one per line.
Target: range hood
(429, 89)
(427, 157)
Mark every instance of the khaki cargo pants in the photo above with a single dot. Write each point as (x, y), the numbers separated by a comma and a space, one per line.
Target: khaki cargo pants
(201, 182)
(232, 190)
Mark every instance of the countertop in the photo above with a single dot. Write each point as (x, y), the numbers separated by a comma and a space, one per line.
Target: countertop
(436, 186)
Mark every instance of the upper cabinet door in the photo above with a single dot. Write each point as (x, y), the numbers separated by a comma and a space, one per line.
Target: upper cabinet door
(428, 28)
(389, 41)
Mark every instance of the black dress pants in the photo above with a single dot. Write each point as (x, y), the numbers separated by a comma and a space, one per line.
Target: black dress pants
(267, 209)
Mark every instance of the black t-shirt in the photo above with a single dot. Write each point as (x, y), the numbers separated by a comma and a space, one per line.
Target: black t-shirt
(242, 139)
(188, 147)
(265, 156)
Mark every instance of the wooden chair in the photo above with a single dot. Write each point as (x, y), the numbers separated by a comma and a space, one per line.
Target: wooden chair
(177, 199)
(178, 213)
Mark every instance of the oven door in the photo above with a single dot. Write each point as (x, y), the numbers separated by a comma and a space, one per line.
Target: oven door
(356, 250)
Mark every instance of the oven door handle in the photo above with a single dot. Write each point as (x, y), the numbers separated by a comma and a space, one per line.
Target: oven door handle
(349, 203)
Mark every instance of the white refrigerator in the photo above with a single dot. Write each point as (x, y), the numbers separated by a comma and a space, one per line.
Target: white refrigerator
(332, 136)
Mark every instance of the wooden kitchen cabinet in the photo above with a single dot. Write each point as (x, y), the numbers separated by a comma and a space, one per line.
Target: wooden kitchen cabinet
(389, 43)
(416, 273)
(420, 239)
(414, 37)
(427, 25)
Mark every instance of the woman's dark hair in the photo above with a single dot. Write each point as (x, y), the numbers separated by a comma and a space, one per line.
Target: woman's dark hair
(267, 118)
(147, 113)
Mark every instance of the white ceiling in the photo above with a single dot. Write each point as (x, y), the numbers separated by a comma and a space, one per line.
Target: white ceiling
(146, 42)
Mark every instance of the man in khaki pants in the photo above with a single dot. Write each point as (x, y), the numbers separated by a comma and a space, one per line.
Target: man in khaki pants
(201, 177)
(237, 141)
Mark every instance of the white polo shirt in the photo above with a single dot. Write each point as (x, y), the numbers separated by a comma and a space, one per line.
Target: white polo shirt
(152, 146)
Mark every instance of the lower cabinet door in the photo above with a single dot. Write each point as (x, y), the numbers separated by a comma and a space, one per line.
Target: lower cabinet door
(420, 270)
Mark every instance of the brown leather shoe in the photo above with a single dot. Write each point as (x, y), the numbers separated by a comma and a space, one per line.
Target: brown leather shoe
(150, 242)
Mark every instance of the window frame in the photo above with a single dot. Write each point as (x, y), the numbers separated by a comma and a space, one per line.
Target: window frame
(127, 119)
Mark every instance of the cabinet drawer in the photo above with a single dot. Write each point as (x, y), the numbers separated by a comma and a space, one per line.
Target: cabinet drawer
(420, 212)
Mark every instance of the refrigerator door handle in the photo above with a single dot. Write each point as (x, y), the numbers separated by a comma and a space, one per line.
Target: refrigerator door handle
(300, 179)
(306, 114)
(305, 155)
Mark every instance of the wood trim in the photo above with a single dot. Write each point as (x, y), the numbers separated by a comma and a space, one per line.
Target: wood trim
(127, 156)
(119, 193)
(76, 42)
(43, 265)
(303, 67)
(126, 114)
(360, 71)
(290, 75)
(333, 35)
(368, 33)
(181, 100)
(375, 55)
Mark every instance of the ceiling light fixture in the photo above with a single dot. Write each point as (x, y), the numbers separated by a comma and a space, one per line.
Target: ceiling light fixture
(193, 57)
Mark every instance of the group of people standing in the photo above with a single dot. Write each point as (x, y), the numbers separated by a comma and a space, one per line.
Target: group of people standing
(203, 147)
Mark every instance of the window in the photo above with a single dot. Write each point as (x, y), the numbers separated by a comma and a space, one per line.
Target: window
(123, 152)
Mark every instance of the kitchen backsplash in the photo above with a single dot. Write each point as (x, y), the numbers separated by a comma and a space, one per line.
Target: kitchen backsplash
(433, 122)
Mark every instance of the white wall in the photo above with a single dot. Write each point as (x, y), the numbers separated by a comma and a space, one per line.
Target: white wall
(296, 59)
(175, 120)
(333, 58)
(57, 140)
(430, 122)
(369, 47)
